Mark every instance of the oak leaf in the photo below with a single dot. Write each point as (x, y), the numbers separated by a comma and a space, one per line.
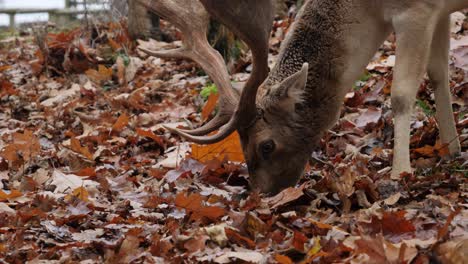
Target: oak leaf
(193, 203)
(121, 122)
(75, 145)
(24, 147)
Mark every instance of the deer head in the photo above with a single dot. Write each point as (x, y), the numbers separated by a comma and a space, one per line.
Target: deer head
(274, 146)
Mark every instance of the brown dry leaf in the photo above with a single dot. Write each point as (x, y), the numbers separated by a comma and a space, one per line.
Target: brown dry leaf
(210, 106)
(395, 223)
(194, 204)
(121, 122)
(230, 148)
(196, 243)
(25, 146)
(150, 134)
(86, 172)
(426, 151)
(7, 88)
(254, 225)
(444, 230)
(103, 74)
(299, 241)
(75, 145)
(439, 150)
(374, 248)
(130, 246)
(371, 115)
(288, 195)
(238, 239)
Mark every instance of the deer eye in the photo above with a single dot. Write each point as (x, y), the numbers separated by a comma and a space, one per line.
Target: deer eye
(267, 147)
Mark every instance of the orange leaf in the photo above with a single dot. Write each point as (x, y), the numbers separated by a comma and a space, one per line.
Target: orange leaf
(439, 150)
(442, 149)
(84, 50)
(13, 194)
(81, 193)
(150, 134)
(282, 259)
(75, 145)
(427, 151)
(103, 74)
(114, 45)
(25, 145)
(86, 172)
(229, 147)
(7, 88)
(299, 241)
(121, 122)
(210, 106)
(194, 204)
(239, 239)
(5, 67)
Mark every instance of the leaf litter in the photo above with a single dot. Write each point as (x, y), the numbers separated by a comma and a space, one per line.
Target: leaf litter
(89, 174)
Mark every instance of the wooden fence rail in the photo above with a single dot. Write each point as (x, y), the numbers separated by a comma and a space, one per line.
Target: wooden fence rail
(56, 15)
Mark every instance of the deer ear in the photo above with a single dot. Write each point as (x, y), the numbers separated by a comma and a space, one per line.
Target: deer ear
(292, 88)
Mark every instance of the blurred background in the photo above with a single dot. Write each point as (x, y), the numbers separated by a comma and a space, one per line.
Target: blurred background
(32, 11)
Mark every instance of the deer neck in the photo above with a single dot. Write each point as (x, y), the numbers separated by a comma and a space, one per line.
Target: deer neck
(316, 38)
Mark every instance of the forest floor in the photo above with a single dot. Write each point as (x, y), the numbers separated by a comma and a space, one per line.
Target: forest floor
(89, 174)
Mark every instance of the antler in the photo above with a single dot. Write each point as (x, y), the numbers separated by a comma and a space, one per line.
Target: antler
(191, 18)
(251, 20)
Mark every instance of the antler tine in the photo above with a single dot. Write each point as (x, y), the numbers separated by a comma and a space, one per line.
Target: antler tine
(191, 18)
(251, 20)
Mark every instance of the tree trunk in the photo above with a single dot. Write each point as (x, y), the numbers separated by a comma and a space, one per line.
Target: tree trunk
(142, 24)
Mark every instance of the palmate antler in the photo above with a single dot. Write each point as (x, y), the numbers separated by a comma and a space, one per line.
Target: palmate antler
(250, 20)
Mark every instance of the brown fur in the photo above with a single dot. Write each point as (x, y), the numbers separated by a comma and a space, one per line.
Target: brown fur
(337, 38)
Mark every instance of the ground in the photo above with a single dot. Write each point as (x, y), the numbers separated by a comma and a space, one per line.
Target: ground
(89, 174)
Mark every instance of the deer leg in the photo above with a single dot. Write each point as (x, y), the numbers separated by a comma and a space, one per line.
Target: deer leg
(414, 33)
(439, 78)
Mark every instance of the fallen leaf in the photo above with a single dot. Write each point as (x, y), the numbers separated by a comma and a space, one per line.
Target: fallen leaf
(210, 105)
(150, 134)
(121, 122)
(287, 195)
(11, 195)
(24, 147)
(194, 204)
(371, 115)
(282, 259)
(103, 74)
(75, 145)
(230, 148)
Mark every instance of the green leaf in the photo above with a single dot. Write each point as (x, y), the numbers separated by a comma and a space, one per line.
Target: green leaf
(425, 107)
(208, 90)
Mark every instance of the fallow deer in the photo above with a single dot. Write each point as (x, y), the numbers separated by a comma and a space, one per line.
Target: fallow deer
(281, 115)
